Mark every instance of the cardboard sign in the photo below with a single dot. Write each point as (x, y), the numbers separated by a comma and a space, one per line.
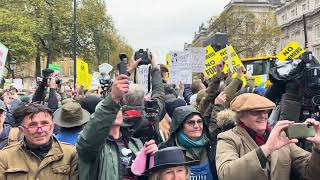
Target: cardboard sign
(292, 51)
(181, 68)
(3, 56)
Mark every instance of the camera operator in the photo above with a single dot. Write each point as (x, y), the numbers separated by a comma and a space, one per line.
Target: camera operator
(50, 80)
(153, 108)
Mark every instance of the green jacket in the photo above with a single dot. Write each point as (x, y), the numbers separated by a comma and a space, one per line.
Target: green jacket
(99, 156)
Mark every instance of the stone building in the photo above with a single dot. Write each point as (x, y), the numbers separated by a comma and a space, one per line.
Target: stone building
(247, 24)
(290, 18)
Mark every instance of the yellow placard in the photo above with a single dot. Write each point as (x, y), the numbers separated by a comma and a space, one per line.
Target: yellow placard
(212, 60)
(83, 76)
(292, 51)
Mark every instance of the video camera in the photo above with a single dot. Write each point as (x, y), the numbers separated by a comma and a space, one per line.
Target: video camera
(143, 55)
(152, 109)
(46, 78)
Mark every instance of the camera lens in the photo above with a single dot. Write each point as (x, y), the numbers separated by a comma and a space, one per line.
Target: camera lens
(316, 100)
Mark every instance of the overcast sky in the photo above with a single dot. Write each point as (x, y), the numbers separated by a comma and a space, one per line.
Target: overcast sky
(161, 25)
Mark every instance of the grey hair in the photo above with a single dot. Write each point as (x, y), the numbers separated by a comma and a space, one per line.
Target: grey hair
(156, 175)
(239, 115)
(135, 95)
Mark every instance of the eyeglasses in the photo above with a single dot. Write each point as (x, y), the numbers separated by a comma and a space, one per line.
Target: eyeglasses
(33, 129)
(258, 113)
(193, 123)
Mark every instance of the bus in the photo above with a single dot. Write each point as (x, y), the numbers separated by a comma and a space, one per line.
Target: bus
(259, 68)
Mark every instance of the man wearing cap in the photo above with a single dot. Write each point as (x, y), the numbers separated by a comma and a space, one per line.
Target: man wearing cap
(70, 117)
(4, 128)
(251, 150)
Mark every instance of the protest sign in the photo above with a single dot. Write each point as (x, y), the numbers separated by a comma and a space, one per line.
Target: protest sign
(181, 68)
(55, 67)
(198, 57)
(221, 55)
(291, 51)
(142, 77)
(83, 76)
(3, 56)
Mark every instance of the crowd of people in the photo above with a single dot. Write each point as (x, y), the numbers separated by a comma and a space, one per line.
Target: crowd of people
(212, 129)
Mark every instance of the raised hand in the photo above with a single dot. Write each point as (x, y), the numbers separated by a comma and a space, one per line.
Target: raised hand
(276, 140)
(120, 87)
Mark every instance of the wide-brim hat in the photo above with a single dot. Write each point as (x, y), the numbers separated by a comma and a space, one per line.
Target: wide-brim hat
(167, 158)
(251, 101)
(70, 114)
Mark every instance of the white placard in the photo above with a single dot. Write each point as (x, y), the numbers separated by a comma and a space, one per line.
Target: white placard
(3, 57)
(181, 67)
(142, 77)
(198, 57)
(250, 68)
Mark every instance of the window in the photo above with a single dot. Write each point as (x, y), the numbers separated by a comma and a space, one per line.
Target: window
(317, 52)
(304, 8)
(317, 31)
(293, 12)
(250, 27)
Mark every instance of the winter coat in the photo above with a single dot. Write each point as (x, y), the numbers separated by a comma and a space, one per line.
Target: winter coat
(17, 163)
(99, 157)
(237, 158)
(4, 135)
(179, 116)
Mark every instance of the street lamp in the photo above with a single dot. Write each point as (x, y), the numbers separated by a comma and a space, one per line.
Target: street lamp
(12, 66)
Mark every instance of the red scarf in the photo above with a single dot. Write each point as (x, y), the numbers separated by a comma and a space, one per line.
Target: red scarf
(258, 138)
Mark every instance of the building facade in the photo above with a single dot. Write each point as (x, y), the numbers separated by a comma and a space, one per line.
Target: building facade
(290, 18)
(247, 24)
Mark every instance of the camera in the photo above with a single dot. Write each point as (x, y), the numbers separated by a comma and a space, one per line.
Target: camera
(105, 85)
(300, 130)
(152, 109)
(143, 55)
(46, 78)
(122, 66)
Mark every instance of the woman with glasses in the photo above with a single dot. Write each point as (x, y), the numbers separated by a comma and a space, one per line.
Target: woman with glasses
(39, 155)
(190, 132)
(254, 151)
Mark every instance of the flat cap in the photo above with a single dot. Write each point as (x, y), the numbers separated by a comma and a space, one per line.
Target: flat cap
(251, 101)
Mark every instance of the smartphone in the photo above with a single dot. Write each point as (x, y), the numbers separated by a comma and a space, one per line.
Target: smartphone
(300, 131)
(122, 66)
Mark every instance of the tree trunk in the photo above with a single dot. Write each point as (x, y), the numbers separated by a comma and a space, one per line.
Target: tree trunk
(38, 63)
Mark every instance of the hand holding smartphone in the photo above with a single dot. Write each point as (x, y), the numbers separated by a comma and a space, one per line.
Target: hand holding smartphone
(300, 131)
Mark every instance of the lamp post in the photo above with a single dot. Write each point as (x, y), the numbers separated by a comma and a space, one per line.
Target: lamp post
(74, 48)
(12, 66)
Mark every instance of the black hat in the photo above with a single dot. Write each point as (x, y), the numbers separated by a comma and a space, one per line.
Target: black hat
(169, 157)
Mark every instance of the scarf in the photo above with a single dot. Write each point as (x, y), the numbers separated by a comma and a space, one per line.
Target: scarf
(258, 138)
(193, 146)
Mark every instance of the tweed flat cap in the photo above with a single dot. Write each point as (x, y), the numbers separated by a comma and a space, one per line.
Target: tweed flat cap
(251, 101)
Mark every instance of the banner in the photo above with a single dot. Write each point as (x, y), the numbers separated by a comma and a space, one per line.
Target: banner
(181, 67)
(3, 57)
(292, 51)
(55, 67)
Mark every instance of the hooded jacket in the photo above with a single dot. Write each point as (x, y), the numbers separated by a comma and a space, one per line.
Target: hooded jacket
(179, 116)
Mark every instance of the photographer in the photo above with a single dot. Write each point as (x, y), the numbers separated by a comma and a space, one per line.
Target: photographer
(49, 80)
(105, 146)
(253, 151)
(154, 107)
